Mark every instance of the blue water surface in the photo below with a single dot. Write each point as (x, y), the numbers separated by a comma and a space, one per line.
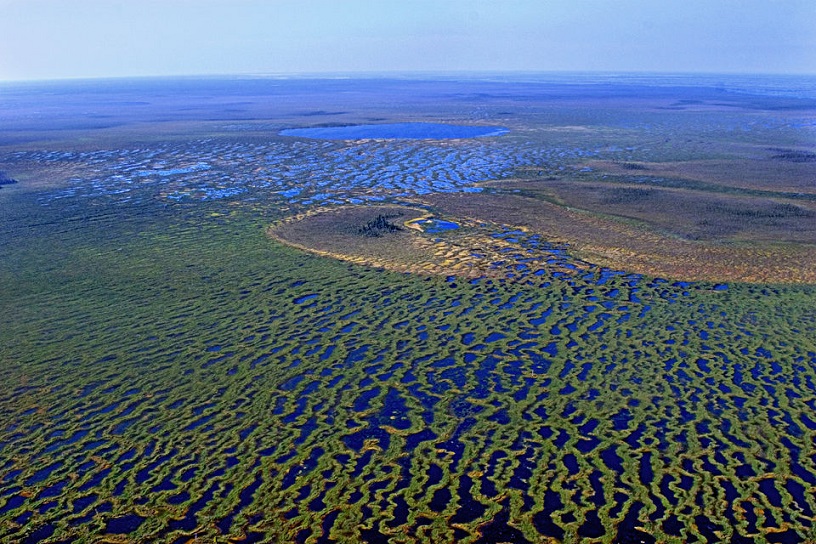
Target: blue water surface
(403, 131)
(435, 226)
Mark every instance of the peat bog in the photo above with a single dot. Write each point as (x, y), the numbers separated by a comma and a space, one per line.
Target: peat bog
(215, 331)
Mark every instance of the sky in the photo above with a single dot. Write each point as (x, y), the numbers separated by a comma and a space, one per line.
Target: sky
(57, 39)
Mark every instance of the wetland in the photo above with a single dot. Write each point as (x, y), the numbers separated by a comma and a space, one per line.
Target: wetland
(596, 324)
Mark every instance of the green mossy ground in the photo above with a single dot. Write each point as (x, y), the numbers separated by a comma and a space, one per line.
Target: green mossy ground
(137, 351)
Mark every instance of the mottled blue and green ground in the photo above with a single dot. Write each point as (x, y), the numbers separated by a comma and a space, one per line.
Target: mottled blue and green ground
(170, 373)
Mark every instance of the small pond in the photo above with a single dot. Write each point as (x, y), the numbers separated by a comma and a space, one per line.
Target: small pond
(405, 131)
(435, 226)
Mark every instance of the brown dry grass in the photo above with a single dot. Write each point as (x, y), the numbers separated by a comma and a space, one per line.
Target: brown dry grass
(595, 238)
(689, 214)
(758, 171)
(334, 233)
(624, 246)
(469, 251)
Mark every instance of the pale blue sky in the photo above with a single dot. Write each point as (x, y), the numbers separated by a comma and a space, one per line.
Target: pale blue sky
(45, 39)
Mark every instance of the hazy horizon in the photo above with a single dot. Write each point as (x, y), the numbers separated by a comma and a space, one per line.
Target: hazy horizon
(514, 75)
(52, 40)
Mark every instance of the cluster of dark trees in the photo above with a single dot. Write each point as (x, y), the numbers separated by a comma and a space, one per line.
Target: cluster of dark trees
(633, 166)
(378, 226)
(5, 179)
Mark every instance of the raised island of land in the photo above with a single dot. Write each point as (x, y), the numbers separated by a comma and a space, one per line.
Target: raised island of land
(666, 232)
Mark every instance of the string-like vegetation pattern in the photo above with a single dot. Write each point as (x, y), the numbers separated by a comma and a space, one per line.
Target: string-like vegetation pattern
(187, 378)
(175, 368)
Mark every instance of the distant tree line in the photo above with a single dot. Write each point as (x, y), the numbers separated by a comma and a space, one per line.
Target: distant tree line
(773, 211)
(633, 166)
(796, 156)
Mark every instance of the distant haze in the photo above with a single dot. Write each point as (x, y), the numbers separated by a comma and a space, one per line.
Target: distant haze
(51, 39)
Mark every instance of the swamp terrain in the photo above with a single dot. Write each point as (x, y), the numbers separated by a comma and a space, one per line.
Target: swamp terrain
(593, 319)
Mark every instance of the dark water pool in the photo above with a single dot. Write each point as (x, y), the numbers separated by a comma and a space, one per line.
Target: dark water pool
(405, 131)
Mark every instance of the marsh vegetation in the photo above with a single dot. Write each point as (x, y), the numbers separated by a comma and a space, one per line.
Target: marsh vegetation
(616, 343)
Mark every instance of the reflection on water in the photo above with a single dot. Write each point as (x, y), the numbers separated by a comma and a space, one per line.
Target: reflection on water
(435, 226)
(396, 131)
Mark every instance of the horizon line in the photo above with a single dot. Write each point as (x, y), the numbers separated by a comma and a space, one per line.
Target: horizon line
(398, 74)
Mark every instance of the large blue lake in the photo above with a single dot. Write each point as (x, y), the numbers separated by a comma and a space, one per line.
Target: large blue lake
(404, 131)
